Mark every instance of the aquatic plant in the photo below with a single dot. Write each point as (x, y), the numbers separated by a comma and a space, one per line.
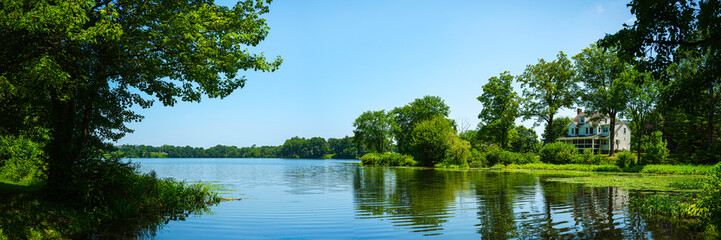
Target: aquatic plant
(677, 169)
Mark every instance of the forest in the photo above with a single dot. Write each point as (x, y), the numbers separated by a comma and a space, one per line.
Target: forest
(296, 147)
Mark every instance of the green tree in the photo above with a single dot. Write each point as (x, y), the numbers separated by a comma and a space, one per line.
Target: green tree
(643, 96)
(500, 106)
(429, 140)
(548, 87)
(655, 149)
(83, 65)
(408, 116)
(373, 129)
(344, 148)
(557, 130)
(667, 33)
(524, 140)
(606, 84)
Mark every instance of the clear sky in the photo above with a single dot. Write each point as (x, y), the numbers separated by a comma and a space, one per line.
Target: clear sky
(342, 58)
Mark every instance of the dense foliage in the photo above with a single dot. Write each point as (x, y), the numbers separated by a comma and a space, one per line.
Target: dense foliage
(21, 160)
(430, 140)
(655, 149)
(499, 107)
(558, 153)
(408, 116)
(373, 130)
(547, 88)
(77, 68)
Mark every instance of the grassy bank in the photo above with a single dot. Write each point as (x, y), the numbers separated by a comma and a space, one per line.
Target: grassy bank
(111, 200)
(568, 167)
(655, 169)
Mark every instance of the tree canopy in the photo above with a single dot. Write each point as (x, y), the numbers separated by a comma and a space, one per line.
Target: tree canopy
(408, 116)
(548, 87)
(77, 67)
(373, 130)
(500, 106)
(607, 83)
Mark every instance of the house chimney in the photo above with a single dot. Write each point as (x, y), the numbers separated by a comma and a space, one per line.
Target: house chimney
(578, 111)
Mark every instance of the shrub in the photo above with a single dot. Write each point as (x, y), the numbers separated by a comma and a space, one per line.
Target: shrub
(625, 159)
(655, 149)
(387, 159)
(457, 152)
(108, 191)
(476, 159)
(558, 153)
(21, 159)
(498, 156)
(429, 140)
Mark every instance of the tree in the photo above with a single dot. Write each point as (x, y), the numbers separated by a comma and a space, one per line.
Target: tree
(82, 65)
(429, 140)
(606, 84)
(557, 130)
(408, 116)
(643, 96)
(373, 130)
(548, 87)
(524, 140)
(669, 33)
(344, 148)
(500, 106)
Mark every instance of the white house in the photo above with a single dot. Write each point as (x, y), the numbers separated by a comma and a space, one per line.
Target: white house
(584, 133)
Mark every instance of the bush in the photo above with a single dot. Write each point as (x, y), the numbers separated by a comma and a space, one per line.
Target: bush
(655, 149)
(625, 159)
(558, 153)
(429, 140)
(499, 156)
(476, 159)
(387, 159)
(21, 159)
(457, 152)
(110, 193)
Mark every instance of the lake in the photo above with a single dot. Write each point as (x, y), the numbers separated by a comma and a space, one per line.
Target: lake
(338, 199)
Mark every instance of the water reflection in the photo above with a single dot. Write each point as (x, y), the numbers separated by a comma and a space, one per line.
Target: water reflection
(507, 205)
(418, 200)
(315, 199)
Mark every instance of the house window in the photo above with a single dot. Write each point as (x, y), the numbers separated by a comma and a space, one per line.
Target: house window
(624, 130)
(617, 143)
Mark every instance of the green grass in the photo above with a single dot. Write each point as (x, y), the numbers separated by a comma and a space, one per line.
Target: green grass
(632, 181)
(677, 169)
(571, 167)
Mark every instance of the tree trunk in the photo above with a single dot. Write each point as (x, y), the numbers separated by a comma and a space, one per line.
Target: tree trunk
(639, 133)
(549, 130)
(61, 149)
(612, 130)
(711, 110)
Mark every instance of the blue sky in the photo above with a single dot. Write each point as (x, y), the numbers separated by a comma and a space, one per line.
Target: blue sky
(342, 58)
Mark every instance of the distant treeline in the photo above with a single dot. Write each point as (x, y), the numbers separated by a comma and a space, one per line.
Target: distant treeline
(295, 147)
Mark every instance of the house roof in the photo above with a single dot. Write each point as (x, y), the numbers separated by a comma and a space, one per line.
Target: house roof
(597, 116)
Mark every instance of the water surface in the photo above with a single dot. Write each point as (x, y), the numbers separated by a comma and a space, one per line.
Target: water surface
(335, 199)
